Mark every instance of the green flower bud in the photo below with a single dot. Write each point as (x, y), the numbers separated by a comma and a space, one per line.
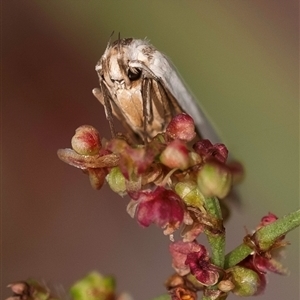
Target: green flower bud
(190, 194)
(93, 287)
(214, 179)
(246, 281)
(116, 181)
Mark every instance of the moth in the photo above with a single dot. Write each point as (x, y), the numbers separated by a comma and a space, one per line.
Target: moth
(141, 87)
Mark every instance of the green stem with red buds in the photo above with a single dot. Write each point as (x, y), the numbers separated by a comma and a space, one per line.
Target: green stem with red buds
(265, 237)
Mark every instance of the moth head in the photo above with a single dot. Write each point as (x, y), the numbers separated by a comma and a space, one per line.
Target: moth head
(114, 66)
(134, 73)
(125, 62)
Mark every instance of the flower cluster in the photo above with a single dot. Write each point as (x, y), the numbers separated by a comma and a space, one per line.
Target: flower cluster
(166, 179)
(176, 182)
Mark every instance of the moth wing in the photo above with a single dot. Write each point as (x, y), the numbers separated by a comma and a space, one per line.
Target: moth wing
(173, 84)
(99, 94)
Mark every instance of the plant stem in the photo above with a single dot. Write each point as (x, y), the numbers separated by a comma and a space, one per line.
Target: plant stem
(237, 255)
(216, 240)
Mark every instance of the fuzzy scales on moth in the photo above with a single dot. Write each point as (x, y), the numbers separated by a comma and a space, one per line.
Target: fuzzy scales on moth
(140, 86)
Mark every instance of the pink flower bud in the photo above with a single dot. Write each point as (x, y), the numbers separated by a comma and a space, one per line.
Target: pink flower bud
(97, 177)
(268, 219)
(162, 207)
(181, 127)
(20, 288)
(209, 151)
(175, 155)
(86, 140)
(179, 251)
(200, 266)
(133, 161)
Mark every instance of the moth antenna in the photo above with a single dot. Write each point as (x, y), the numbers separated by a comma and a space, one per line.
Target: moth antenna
(111, 35)
(109, 41)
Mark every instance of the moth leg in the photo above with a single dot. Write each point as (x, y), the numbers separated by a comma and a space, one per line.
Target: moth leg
(174, 107)
(147, 73)
(107, 107)
(105, 72)
(115, 111)
(146, 88)
(97, 93)
(162, 94)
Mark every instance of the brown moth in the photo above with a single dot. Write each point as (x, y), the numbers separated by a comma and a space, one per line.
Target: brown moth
(140, 87)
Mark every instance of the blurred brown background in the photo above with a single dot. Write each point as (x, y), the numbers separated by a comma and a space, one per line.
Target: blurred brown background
(240, 58)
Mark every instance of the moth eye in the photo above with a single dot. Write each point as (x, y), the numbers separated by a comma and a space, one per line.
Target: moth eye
(134, 74)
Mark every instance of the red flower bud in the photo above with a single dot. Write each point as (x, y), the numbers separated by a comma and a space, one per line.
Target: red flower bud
(161, 206)
(86, 140)
(209, 151)
(179, 251)
(181, 127)
(199, 263)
